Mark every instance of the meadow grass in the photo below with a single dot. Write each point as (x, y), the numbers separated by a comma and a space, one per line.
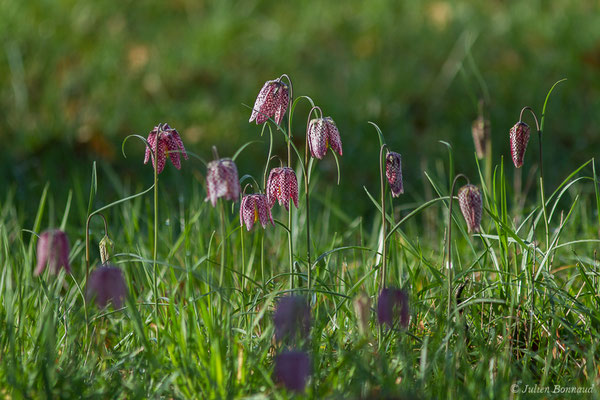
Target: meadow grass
(526, 301)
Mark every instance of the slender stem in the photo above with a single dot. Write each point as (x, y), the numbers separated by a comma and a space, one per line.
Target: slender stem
(306, 190)
(155, 245)
(383, 219)
(542, 195)
(222, 212)
(289, 164)
(449, 252)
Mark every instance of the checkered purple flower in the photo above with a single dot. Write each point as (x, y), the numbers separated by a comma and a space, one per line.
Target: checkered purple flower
(272, 101)
(393, 306)
(52, 251)
(292, 369)
(519, 137)
(255, 208)
(222, 181)
(471, 205)
(323, 133)
(393, 172)
(292, 318)
(107, 284)
(169, 145)
(282, 186)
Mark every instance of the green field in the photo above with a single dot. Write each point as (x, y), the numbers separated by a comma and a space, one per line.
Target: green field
(515, 311)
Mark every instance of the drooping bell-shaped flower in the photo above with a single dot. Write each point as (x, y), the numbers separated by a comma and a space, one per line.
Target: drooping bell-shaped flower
(222, 181)
(292, 369)
(323, 133)
(53, 251)
(282, 186)
(471, 205)
(393, 172)
(106, 283)
(255, 208)
(392, 307)
(292, 318)
(481, 135)
(169, 145)
(519, 137)
(272, 102)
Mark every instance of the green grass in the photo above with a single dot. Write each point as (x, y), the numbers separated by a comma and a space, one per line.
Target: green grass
(527, 313)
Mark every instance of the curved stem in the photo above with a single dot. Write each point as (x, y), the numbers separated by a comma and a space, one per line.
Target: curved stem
(306, 189)
(449, 251)
(383, 219)
(87, 242)
(542, 195)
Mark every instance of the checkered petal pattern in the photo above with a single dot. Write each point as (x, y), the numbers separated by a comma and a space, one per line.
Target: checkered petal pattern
(255, 208)
(323, 132)
(519, 137)
(222, 181)
(272, 102)
(52, 251)
(393, 172)
(282, 186)
(471, 205)
(107, 284)
(169, 145)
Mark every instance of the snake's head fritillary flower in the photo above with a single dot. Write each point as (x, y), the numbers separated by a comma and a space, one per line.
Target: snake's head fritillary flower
(166, 142)
(255, 208)
(323, 133)
(282, 186)
(481, 135)
(393, 172)
(222, 181)
(291, 318)
(292, 369)
(107, 284)
(272, 101)
(519, 137)
(392, 307)
(53, 251)
(471, 205)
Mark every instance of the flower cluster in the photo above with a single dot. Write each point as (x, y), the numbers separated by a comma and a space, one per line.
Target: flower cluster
(165, 142)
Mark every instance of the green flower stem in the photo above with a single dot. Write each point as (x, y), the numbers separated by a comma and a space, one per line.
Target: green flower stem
(306, 189)
(155, 246)
(383, 219)
(449, 253)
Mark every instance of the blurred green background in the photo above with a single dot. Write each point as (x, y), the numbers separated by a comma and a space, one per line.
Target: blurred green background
(76, 77)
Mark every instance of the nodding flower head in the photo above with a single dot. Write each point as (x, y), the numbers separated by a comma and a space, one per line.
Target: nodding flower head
(272, 101)
(107, 284)
(471, 205)
(292, 369)
(53, 251)
(481, 134)
(393, 172)
(282, 186)
(392, 306)
(323, 133)
(169, 144)
(519, 137)
(255, 208)
(292, 318)
(222, 181)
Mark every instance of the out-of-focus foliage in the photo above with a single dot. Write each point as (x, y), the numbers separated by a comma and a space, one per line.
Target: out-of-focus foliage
(83, 74)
